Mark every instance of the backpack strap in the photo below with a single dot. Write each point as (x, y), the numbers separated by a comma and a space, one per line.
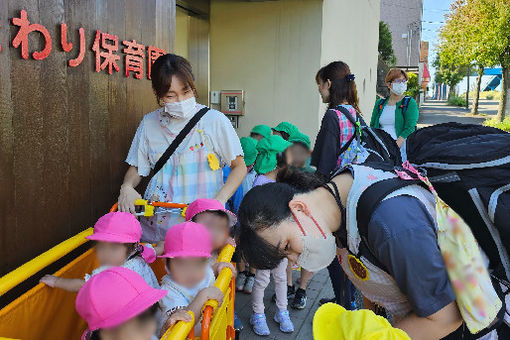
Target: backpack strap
(355, 122)
(380, 106)
(367, 203)
(404, 105)
(178, 140)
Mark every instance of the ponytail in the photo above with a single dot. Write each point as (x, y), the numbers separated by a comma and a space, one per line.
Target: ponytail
(343, 86)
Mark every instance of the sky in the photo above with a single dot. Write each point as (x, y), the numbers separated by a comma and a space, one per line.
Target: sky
(433, 18)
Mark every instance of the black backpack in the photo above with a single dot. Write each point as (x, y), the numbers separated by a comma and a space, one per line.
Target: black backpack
(379, 144)
(469, 166)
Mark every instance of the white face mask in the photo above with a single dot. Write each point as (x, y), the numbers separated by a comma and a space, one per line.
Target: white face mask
(183, 109)
(399, 88)
(318, 252)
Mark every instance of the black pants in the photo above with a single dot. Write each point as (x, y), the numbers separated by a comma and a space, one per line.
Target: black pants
(342, 286)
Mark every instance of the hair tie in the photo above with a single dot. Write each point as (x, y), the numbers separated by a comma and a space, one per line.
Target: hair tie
(350, 77)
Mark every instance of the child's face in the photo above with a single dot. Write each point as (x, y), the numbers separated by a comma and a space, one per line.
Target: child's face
(217, 224)
(111, 254)
(188, 271)
(299, 155)
(134, 329)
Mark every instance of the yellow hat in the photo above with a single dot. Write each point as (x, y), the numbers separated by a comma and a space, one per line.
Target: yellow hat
(332, 321)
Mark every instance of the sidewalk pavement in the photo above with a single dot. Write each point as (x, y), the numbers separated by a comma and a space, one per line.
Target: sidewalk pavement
(318, 288)
(437, 112)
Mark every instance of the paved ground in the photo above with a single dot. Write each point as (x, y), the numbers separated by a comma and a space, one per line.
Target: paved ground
(432, 112)
(318, 288)
(435, 112)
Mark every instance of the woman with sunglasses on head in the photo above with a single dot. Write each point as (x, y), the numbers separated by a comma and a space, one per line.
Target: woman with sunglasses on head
(396, 114)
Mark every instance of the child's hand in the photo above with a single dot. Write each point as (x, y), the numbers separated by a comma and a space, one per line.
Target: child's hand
(218, 266)
(212, 293)
(49, 280)
(232, 242)
(178, 315)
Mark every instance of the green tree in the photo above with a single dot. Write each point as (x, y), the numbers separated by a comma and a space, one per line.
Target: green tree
(492, 18)
(458, 42)
(478, 31)
(448, 73)
(413, 88)
(386, 45)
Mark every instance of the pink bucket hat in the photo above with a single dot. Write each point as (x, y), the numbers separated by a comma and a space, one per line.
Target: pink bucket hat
(188, 239)
(113, 297)
(119, 227)
(205, 204)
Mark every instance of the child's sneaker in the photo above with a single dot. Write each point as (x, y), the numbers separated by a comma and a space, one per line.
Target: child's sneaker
(240, 281)
(283, 318)
(248, 285)
(259, 323)
(238, 324)
(299, 301)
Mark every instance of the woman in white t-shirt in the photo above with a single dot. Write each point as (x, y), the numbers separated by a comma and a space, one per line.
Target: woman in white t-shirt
(194, 169)
(397, 114)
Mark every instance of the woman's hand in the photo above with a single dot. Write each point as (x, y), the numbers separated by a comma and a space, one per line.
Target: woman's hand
(128, 196)
(400, 141)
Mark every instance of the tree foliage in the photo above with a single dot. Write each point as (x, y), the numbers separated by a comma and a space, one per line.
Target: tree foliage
(477, 32)
(413, 88)
(386, 44)
(448, 73)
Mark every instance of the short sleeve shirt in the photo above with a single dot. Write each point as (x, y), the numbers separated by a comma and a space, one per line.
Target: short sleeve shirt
(157, 130)
(402, 235)
(179, 296)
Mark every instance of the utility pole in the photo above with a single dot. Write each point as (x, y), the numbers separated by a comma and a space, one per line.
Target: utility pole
(467, 90)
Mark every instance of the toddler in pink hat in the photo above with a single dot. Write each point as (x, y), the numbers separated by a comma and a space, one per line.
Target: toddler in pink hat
(118, 304)
(190, 279)
(218, 220)
(117, 236)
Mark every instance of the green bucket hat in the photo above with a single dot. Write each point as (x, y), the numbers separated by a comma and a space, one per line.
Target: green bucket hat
(268, 148)
(286, 127)
(249, 146)
(299, 137)
(262, 130)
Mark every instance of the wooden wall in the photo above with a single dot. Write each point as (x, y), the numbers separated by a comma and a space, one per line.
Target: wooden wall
(65, 132)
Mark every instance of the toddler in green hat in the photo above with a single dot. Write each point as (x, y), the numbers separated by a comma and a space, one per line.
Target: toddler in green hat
(260, 131)
(285, 130)
(301, 152)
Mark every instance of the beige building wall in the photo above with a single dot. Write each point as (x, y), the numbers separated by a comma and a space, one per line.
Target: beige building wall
(272, 50)
(350, 32)
(182, 23)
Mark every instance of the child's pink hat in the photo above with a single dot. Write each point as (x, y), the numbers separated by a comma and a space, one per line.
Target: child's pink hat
(119, 227)
(188, 239)
(206, 204)
(115, 296)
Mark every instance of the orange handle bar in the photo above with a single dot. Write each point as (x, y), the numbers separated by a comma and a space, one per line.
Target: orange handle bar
(157, 204)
